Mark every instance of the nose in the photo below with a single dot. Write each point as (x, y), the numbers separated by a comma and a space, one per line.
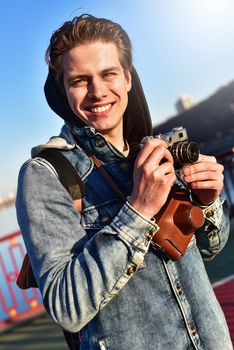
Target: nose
(97, 89)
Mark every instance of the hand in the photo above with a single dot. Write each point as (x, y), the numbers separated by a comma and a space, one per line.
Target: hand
(153, 177)
(205, 178)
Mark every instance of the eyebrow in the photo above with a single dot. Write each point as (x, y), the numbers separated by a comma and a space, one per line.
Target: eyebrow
(112, 68)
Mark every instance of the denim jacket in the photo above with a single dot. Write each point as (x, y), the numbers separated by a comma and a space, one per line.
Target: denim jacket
(96, 270)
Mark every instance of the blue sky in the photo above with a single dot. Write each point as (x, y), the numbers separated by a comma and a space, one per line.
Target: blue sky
(180, 47)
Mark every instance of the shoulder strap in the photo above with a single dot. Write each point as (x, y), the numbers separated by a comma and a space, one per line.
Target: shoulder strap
(67, 174)
(73, 184)
(108, 178)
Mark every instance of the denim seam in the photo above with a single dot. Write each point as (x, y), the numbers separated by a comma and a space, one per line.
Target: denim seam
(140, 243)
(120, 283)
(46, 164)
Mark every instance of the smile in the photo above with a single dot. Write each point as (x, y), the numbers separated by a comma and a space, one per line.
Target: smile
(100, 109)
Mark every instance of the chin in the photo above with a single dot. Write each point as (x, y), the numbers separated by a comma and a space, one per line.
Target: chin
(103, 127)
(103, 130)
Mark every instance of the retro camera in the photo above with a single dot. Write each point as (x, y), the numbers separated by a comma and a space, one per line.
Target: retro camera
(182, 150)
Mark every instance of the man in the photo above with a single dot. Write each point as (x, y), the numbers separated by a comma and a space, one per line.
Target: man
(95, 270)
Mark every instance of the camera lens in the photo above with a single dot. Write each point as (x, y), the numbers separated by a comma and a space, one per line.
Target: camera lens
(192, 152)
(184, 152)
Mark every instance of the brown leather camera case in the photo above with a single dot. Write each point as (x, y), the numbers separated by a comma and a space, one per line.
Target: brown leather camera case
(178, 220)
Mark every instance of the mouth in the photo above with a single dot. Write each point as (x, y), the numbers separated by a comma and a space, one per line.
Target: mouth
(100, 109)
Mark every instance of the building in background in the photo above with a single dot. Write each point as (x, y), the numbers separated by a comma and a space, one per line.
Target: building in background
(7, 200)
(184, 103)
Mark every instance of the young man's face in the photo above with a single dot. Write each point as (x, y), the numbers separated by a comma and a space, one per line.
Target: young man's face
(97, 86)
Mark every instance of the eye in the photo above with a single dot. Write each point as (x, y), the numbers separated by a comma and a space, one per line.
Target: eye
(79, 82)
(109, 74)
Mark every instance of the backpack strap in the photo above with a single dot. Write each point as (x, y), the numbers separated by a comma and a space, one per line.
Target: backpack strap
(69, 177)
(73, 184)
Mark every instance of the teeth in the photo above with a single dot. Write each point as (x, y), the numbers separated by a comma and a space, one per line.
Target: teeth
(100, 109)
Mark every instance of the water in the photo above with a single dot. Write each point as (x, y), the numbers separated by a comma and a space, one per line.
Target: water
(8, 221)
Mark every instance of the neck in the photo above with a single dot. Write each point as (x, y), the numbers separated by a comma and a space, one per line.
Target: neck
(117, 142)
(116, 138)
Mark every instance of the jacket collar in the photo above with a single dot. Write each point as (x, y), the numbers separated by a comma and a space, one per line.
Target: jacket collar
(90, 140)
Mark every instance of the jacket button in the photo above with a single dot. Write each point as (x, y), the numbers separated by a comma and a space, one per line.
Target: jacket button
(105, 219)
(131, 270)
(193, 330)
(100, 142)
(210, 213)
(149, 236)
(179, 289)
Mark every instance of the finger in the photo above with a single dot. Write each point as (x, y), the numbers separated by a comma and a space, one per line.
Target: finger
(204, 176)
(165, 169)
(154, 157)
(202, 167)
(154, 161)
(148, 147)
(205, 158)
(206, 185)
(163, 177)
(158, 156)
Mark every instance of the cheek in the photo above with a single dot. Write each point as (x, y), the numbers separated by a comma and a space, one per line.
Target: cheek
(121, 89)
(74, 99)
(124, 96)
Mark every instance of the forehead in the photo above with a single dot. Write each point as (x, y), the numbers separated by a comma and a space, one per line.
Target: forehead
(95, 55)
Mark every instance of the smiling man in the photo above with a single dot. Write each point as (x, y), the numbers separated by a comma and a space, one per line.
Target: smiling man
(99, 278)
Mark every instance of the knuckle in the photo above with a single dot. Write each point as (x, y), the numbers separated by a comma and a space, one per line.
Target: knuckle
(145, 170)
(164, 181)
(169, 155)
(148, 142)
(194, 185)
(210, 159)
(221, 167)
(213, 159)
(156, 176)
(221, 176)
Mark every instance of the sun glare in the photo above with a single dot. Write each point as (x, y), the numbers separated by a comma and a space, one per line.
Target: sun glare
(214, 7)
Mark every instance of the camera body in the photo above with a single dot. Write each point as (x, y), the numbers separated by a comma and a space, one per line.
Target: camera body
(182, 150)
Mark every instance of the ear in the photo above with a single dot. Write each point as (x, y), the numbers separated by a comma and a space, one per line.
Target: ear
(128, 80)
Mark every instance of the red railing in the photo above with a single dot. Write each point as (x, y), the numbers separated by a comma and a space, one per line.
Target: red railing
(16, 305)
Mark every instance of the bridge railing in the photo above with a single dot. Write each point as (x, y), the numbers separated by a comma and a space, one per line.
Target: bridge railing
(16, 305)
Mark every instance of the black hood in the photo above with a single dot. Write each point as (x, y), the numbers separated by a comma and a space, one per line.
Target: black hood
(137, 121)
